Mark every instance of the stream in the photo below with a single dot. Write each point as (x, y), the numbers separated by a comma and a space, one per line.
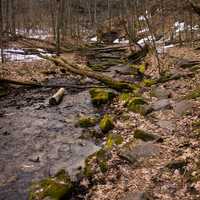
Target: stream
(38, 140)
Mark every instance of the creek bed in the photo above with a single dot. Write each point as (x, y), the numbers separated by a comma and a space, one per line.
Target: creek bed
(38, 140)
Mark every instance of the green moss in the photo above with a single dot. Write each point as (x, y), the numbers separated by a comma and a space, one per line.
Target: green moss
(106, 124)
(88, 172)
(135, 104)
(113, 139)
(86, 121)
(196, 124)
(103, 166)
(54, 188)
(142, 68)
(149, 82)
(101, 96)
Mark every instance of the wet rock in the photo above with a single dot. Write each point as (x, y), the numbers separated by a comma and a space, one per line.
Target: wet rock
(106, 124)
(132, 152)
(140, 134)
(86, 121)
(54, 188)
(136, 196)
(161, 93)
(161, 104)
(101, 96)
(182, 107)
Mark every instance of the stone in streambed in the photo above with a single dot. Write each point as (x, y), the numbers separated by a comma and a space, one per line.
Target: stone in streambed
(101, 96)
(86, 121)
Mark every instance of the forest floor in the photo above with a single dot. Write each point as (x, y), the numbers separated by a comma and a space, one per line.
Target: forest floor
(163, 164)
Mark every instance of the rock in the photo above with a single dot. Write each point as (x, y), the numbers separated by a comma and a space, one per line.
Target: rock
(101, 96)
(169, 125)
(85, 121)
(106, 124)
(140, 134)
(161, 104)
(161, 93)
(182, 107)
(54, 188)
(132, 152)
(177, 164)
(135, 196)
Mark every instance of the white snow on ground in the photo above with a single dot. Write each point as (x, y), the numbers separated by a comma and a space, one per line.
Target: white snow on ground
(94, 39)
(146, 39)
(141, 18)
(143, 30)
(165, 48)
(16, 54)
(121, 41)
(37, 34)
(179, 26)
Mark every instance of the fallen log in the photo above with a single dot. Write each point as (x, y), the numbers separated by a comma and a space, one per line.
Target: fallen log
(57, 97)
(39, 85)
(86, 71)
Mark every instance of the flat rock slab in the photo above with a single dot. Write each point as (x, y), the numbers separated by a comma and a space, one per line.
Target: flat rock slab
(135, 196)
(183, 107)
(161, 93)
(161, 104)
(133, 152)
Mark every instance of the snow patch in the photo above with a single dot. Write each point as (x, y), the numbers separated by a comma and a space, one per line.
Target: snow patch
(16, 54)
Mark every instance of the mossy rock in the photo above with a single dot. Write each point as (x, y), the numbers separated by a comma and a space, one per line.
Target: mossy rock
(136, 104)
(142, 135)
(113, 139)
(53, 188)
(101, 96)
(106, 124)
(85, 121)
(142, 68)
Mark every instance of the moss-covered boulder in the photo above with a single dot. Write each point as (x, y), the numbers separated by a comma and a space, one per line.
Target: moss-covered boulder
(106, 124)
(136, 104)
(86, 121)
(53, 188)
(101, 96)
